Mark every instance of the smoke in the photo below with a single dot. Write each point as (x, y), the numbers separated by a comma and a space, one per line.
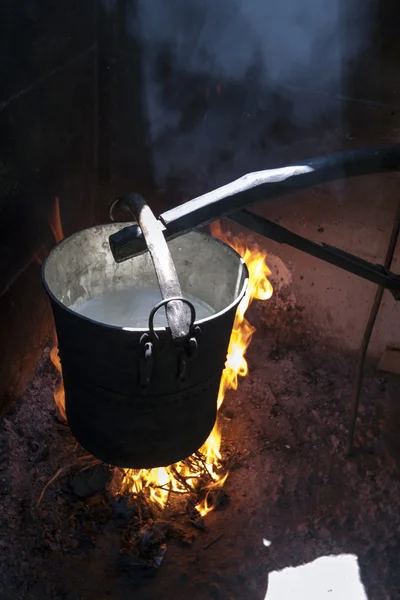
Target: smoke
(223, 79)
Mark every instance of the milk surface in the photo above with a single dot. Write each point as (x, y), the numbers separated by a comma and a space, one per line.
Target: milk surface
(131, 307)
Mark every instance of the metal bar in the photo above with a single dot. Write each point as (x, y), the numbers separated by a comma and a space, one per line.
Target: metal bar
(335, 256)
(258, 187)
(368, 332)
(273, 183)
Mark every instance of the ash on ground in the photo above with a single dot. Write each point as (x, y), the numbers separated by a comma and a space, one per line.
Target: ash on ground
(293, 496)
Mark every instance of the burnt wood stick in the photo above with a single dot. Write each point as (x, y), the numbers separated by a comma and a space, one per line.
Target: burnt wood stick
(257, 187)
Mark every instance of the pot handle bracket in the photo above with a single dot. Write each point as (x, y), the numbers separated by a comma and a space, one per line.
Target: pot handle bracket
(187, 350)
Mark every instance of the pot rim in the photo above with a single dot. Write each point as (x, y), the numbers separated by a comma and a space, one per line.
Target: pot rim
(236, 301)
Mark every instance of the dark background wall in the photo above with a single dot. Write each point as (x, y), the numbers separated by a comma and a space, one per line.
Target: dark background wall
(124, 152)
(48, 132)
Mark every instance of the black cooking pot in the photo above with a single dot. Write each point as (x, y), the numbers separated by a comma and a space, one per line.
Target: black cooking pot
(143, 397)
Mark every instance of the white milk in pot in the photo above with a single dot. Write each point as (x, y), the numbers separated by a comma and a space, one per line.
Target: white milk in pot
(131, 307)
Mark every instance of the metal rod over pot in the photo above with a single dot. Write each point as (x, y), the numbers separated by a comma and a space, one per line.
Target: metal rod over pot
(229, 200)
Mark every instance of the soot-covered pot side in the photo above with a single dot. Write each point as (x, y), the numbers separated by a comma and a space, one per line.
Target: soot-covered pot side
(113, 411)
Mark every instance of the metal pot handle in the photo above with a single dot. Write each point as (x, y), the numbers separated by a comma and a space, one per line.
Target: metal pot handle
(180, 313)
(166, 302)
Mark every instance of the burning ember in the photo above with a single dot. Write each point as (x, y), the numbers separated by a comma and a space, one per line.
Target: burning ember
(202, 474)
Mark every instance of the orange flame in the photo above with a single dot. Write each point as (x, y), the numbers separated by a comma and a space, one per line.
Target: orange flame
(59, 395)
(161, 482)
(40, 255)
(55, 222)
(259, 288)
(56, 228)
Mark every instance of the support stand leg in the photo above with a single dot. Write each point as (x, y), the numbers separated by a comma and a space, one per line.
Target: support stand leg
(367, 334)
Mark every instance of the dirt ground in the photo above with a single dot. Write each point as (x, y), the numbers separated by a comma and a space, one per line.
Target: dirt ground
(285, 433)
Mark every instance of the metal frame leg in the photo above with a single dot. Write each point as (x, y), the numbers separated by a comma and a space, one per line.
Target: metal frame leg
(355, 400)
